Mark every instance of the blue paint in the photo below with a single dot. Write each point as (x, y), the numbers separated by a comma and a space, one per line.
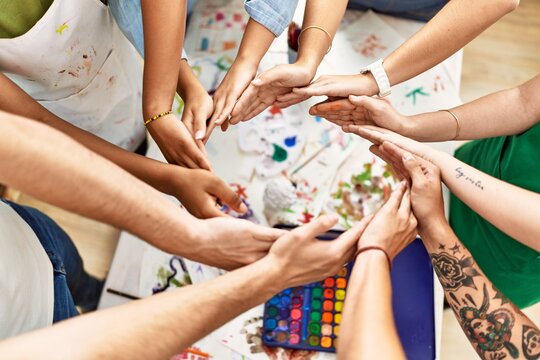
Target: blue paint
(318, 119)
(290, 141)
(205, 44)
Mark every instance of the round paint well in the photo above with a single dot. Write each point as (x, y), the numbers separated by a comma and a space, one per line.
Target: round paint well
(326, 342)
(317, 292)
(338, 306)
(328, 293)
(272, 311)
(283, 324)
(296, 314)
(315, 316)
(328, 305)
(281, 336)
(316, 304)
(314, 328)
(326, 330)
(274, 300)
(329, 282)
(314, 340)
(295, 326)
(271, 324)
(327, 317)
(296, 301)
(294, 339)
(285, 301)
(341, 283)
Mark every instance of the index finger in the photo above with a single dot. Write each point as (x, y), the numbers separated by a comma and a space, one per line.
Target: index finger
(317, 227)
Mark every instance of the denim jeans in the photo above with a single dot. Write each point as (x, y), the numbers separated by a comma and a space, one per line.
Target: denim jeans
(72, 285)
(128, 16)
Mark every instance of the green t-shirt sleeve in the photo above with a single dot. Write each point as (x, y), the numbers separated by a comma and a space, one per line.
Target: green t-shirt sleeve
(19, 16)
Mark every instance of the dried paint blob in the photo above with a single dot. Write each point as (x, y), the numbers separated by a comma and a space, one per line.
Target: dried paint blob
(280, 154)
(290, 141)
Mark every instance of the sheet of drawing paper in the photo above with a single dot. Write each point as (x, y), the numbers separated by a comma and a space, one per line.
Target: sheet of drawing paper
(362, 185)
(277, 136)
(362, 42)
(161, 271)
(215, 26)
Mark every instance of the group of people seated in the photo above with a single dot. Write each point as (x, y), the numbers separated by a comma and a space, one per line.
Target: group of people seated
(74, 105)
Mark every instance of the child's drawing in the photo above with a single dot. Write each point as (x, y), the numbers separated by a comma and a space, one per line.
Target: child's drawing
(161, 272)
(277, 136)
(240, 190)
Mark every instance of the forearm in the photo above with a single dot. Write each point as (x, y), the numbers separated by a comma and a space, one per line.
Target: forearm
(50, 166)
(164, 25)
(187, 81)
(452, 28)
(493, 325)
(368, 316)
(314, 43)
(255, 43)
(498, 202)
(506, 112)
(163, 325)
(14, 100)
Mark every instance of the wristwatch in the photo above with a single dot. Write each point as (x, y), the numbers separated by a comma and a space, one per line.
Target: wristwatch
(377, 70)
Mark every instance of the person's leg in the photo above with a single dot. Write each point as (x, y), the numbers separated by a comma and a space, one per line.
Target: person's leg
(422, 10)
(72, 285)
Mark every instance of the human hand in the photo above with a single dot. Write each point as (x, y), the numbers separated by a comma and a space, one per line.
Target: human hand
(379, 135)
(229, 91)
(230, 243)
(265, 90)
(177, 144)
(340, 86)
(200, 192)
(363, 110)
(198, 108)
(426, 189)
(305, 259)
(393, 227)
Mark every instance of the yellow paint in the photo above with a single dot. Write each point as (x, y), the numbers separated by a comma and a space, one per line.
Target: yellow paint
(60, 30)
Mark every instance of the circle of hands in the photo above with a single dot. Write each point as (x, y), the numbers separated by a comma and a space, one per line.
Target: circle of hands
(240, 97)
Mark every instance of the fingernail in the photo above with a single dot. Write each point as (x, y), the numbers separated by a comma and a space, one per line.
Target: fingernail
(243, 208)
(199, 135)
(256, 81)
(407, 156)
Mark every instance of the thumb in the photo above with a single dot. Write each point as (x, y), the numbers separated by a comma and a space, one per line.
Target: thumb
(199, 126)
(268, 77)
(350, 238)
(228, 196)
(317, 227)
(367, 102)
(412, 166)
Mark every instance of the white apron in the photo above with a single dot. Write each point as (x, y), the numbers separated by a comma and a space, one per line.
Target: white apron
(76, 62)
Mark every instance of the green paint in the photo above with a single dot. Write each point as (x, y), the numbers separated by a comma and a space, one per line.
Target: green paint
(316, 304)
(280, 154)
(315, 316)
(317, 292)
(314, 340)
(314, 328)
(272, 311)
(418, 91)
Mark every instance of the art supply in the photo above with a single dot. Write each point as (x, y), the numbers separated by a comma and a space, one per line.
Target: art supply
(122, 294)
(307, 317)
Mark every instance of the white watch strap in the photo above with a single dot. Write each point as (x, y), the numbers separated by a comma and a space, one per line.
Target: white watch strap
(379, 74)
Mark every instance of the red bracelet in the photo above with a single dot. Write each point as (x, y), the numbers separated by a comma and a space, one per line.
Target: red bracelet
(361, 250)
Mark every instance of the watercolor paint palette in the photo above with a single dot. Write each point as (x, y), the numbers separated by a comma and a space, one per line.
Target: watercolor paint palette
(307, 317)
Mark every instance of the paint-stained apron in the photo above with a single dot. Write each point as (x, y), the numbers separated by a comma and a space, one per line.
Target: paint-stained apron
(77, 63)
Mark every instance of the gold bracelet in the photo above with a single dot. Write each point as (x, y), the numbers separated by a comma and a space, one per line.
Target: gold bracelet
(148, 121)
(458, 123)
(320, 28)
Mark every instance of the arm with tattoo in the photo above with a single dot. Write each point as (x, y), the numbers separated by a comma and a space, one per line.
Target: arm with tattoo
(496, 328)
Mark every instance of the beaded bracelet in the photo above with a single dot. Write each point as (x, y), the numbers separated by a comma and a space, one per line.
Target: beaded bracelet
(148, 121)
(361, 250)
